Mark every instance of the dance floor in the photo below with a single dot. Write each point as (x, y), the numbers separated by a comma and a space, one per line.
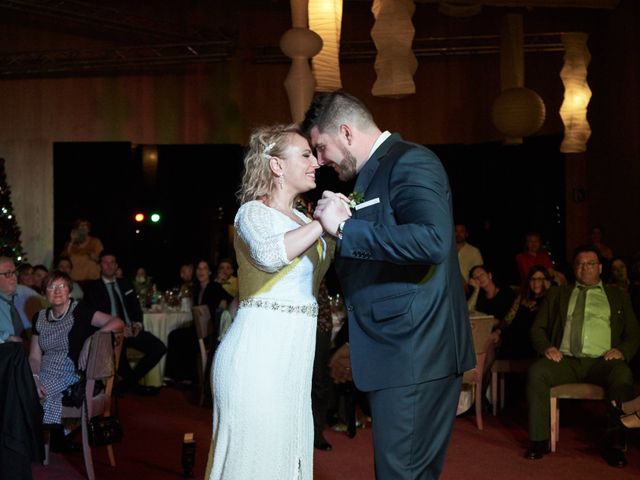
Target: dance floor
(154, 427)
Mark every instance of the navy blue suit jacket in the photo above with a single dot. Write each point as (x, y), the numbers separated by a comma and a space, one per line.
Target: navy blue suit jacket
(398, 266)
(97, 296)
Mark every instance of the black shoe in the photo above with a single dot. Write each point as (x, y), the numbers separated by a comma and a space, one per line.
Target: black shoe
(614, 457)
(537, 450)
(323, 445)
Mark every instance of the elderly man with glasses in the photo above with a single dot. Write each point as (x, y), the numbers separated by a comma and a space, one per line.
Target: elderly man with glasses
(10, 324)
(585, 332)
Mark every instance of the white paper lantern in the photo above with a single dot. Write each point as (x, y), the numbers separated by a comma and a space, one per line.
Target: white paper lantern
(325, 19)
(577, 93)
(518, 112)
(393, 34)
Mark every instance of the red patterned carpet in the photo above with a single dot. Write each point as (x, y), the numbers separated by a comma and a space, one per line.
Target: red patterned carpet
(154, 427)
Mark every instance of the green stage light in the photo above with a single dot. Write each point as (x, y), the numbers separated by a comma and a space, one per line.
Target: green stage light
(155, 217)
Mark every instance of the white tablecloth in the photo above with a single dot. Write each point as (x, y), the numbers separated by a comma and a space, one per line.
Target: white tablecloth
(161, 324)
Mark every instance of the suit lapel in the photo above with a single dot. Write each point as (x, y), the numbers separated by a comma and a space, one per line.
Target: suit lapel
(369, 170)
(564, 303)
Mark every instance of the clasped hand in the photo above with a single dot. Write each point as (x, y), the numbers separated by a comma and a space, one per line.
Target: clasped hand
(332, 209)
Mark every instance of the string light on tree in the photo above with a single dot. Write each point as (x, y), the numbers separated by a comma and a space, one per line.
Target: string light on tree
(10, 245)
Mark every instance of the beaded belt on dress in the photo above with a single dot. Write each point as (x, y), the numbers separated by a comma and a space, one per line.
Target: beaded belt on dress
(310, 309)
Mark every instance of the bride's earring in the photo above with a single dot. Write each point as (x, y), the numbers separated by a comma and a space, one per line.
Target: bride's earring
(281, 181)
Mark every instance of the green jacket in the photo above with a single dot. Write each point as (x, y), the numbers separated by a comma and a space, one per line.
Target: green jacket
(548, 327)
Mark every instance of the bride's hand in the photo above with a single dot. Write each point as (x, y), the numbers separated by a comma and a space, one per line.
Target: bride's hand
(334, 199)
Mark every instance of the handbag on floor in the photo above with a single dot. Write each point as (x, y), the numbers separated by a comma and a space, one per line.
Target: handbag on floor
(104, 431)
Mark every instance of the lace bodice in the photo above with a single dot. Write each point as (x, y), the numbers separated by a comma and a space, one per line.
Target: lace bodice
(264, 270)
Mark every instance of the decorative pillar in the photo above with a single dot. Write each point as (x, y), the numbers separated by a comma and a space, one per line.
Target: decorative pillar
(393, 34)
(299, 43)
(325, 19)
(576, 93)
(517, 111)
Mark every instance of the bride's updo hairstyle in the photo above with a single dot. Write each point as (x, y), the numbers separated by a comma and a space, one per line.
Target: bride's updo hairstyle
(265, 142)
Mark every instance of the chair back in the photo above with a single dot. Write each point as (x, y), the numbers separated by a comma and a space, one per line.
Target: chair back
(225, 323)
(202, 321)
(481, 327)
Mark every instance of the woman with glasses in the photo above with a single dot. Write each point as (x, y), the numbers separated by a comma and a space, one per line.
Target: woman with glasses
(58, 335)
(516, 341)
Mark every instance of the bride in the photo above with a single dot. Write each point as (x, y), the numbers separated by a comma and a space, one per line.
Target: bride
(262, 421)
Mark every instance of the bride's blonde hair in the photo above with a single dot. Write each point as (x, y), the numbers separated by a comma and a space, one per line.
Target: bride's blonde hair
(265, 142)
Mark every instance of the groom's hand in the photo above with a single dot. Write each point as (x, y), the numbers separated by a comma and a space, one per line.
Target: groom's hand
(332, 209)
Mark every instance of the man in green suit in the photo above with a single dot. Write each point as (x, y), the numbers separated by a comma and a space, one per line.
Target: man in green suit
(585, 332)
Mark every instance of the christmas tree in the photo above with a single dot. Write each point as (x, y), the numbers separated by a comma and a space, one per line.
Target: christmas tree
(10, 245)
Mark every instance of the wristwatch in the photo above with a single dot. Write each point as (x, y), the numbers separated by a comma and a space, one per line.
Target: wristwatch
(340, 229)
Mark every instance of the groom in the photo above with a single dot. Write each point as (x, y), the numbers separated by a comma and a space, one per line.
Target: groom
(409, 334)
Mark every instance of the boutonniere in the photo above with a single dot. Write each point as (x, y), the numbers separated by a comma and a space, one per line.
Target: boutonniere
(355, 198)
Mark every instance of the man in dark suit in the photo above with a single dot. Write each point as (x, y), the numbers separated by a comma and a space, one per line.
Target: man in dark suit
(586, 332)
(117, 296)
(409, 333)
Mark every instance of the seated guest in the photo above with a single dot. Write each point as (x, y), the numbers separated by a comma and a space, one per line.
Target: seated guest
(117, 296)
(186, 280)
(489, 298)
(183, 342)
(595, 237)
(39, 272)
(143, 285)
(534, 255)
(25, 275)
(11, 327)
(468, 255)
(515, 337)
(58, 335)
(64, 264)
(618, 277)
(226, 278)
(586, 332)
(486, 296)
(211, 294)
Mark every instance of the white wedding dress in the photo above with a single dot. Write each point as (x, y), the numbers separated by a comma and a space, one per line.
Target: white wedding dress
(261, 379)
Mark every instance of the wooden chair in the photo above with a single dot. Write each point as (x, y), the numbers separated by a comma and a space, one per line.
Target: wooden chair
(101, 364)
(579, 391)
(204, 329)
(501, 367)
(481, 327)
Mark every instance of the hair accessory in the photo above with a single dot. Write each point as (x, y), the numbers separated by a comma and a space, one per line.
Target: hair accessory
(267, 150)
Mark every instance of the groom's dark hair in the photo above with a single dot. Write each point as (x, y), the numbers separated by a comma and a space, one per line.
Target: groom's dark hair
(328, 111)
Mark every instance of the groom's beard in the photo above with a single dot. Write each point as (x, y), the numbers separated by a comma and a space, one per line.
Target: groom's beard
(347, 169)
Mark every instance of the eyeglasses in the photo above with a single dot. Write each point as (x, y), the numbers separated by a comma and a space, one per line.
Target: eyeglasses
(9, 273)
(479, 276)
(57, 286)
(591, 264)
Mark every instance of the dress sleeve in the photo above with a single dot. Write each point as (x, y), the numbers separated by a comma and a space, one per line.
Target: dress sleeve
(255, 226)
